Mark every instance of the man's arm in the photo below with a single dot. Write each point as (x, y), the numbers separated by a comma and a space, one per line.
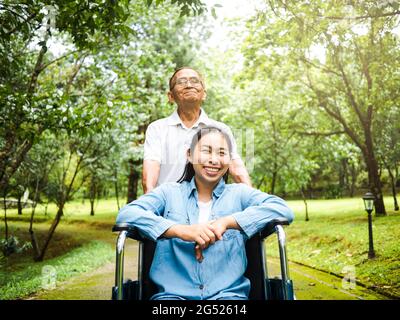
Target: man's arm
(239, 172)
(150, 174)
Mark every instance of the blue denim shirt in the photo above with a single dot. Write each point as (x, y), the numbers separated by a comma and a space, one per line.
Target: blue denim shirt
(175, 270)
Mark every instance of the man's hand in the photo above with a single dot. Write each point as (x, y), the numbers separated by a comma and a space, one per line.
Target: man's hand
(239, 173)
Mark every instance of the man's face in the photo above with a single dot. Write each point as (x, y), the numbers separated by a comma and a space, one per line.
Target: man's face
(187, 87)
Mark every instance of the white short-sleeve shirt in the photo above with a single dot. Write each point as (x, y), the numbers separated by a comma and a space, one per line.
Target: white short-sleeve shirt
(168, 139)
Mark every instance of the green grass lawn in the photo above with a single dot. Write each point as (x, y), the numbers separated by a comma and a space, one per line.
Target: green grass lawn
(336, 238)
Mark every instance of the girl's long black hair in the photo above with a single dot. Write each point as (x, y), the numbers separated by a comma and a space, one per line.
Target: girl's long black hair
(188, 173)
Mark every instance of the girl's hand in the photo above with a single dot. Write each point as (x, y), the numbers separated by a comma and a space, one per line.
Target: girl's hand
(199, 233)
(219, 226)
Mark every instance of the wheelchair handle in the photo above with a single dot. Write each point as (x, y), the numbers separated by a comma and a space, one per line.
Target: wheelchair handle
(131, 232)
(283, 259)
(119, 273)
(270, 227)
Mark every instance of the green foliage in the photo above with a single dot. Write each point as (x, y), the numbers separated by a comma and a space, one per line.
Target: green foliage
(75, 90)
(334, 64)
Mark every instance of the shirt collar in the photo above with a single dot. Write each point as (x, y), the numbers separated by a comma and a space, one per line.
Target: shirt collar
(219, 188)
(174, 119)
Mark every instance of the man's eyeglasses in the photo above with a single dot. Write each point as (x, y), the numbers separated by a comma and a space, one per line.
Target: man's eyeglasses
(184, 81)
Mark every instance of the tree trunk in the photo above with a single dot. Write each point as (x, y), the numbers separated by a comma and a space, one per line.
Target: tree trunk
(34, 242)
(15, 160)
(51, 232)
(19, 205)
(261, 182)
(343, 175)
(305, 203)
(375, 185)
(133, 179)
(5, 217)
(393, 184)
(352, 186)
(92, 207)
(92, 194)
(116, 187)
(273, 182)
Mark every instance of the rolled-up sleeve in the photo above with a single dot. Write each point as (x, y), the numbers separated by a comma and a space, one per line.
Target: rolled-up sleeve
(259, 209)
(152, 143)
(146, 213)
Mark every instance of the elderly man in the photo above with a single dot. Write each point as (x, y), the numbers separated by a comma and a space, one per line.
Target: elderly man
(168, 139)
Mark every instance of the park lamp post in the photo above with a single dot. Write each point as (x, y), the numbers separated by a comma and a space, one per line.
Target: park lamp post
(369, 206)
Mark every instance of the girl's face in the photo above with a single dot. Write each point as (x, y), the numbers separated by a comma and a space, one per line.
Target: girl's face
(210, 158)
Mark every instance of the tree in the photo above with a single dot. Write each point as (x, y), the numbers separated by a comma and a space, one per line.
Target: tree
(388, 145)
(24, 40)
(352, 82)
(77, 94)
(70, 172)
(30, 104)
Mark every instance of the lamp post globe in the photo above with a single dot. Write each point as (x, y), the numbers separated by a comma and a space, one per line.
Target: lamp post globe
(368, 199)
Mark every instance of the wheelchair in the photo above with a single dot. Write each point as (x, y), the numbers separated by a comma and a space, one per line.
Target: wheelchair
(262, 287)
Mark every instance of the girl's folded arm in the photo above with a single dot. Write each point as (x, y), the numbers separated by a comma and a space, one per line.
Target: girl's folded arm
(259, 208)
(146, 213)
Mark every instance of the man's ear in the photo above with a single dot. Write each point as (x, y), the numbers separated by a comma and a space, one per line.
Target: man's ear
(204, 95)
(171, 99)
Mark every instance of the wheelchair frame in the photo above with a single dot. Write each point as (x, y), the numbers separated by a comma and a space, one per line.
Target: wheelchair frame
(262, 287)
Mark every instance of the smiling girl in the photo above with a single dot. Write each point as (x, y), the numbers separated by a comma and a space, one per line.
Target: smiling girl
(201, 224)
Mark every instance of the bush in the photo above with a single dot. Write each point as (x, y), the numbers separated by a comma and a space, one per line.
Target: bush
(11, 245)
(333, 192)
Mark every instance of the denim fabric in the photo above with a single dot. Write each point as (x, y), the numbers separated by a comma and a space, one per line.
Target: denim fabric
(175, 270)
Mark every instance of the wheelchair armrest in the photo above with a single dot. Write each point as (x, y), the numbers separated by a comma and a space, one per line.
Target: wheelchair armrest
(133, 232)
(270, 227)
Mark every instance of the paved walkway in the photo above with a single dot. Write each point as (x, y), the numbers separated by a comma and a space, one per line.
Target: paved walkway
(311, 284)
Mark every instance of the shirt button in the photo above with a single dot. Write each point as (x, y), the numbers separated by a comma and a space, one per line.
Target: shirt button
(201, 287)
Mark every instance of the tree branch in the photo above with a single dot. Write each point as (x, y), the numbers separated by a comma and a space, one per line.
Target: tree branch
(383, 15)
(316, 133)
(349, 91)
(44, 66)
(335, 115)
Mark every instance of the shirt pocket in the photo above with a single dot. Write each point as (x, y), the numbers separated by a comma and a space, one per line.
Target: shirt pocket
(177, 216)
